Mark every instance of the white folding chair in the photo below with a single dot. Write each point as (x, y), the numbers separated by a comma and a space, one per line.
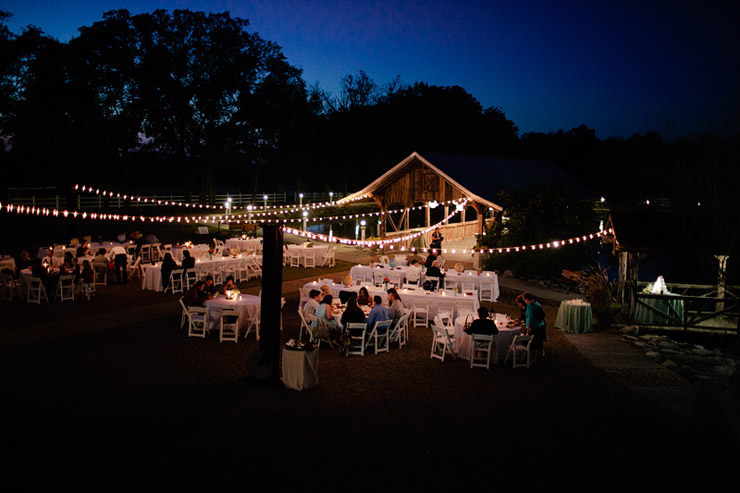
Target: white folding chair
(11, 287)
(356, 333)
(197, 322)
(229, 329)
(467, 286)
(399, 331)
(295, 258)
(255, 269)
(481, 349)
(379, 337)
(309, 261)
(185, 314)
(175, 284)
(442, 343)
(101, 276)
(66, 288)
(146, 253)
(485, 291)
(35, 291)
(190, 278)
(254, 325)
(421, 313)
(519, 347)
(135, 269)
(433, 280)
(242, 271)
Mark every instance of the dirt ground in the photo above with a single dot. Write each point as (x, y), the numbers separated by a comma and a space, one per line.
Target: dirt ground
(112, 394)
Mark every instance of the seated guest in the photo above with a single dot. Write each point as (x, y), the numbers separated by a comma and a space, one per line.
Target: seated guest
(413, 274)
(352, 314)
(24, 262)
(429, 260)
(51, 260)
(324, 314)
(379, 313)
(309, 309)
(70, 266)
(363, 298)
(229, 285)
(396, 305)
(210, 288)
(49, 282)
(325, 290)
(168, 265)
(483, 324)
(188, 262)
(100, 262)
(434, 271)
(84, 249)
(196, 296)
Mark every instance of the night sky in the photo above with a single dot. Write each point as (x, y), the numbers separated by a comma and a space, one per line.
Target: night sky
(619, 67)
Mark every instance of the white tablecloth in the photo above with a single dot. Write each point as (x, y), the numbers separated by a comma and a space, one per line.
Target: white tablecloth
(247, 305)
(7, 263)
(315, 251)
(196, 251)
(152, 277)
(409, 297)
(502, 340)
(453, 278)
(367, 272)
(300, 369)
(248, 245)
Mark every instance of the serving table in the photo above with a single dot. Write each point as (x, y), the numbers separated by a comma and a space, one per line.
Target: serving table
(574, 316)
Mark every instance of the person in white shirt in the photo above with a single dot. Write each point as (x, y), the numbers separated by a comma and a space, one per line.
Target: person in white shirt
(309, 309)
(413, 274)
(118, 256)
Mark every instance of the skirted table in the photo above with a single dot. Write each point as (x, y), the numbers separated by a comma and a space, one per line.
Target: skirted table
(300, 368)
(663, 310)
(574, 316)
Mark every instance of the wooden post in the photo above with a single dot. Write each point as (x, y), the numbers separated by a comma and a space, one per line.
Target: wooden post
(264, 362)
(721, 277)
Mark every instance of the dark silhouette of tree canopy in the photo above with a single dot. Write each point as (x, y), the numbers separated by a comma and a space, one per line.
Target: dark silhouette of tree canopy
(191, 88)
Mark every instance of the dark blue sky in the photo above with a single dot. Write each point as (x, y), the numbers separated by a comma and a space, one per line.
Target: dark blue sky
(620, 67)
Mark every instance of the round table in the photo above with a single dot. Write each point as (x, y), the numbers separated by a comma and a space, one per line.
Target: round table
(245, 304)
(502, 340)
(574, 316)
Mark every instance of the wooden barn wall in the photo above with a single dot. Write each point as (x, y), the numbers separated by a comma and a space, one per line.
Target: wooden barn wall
(417, 184)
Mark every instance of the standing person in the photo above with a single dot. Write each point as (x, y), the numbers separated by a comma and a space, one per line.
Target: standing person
(522, 310)
(535, 318)
(119, 258)
(395, 305)
(437, 239)
(88, 280)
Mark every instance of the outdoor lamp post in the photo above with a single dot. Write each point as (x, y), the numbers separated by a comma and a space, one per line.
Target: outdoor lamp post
(264, 197)
(249, 209)
(228, 205)
(300, 199)
(363, 223)
(305, 218)
(331, 198)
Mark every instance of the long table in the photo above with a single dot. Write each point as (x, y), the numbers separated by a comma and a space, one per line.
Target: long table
(454, 278)
(151, 278)
(409, 297)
